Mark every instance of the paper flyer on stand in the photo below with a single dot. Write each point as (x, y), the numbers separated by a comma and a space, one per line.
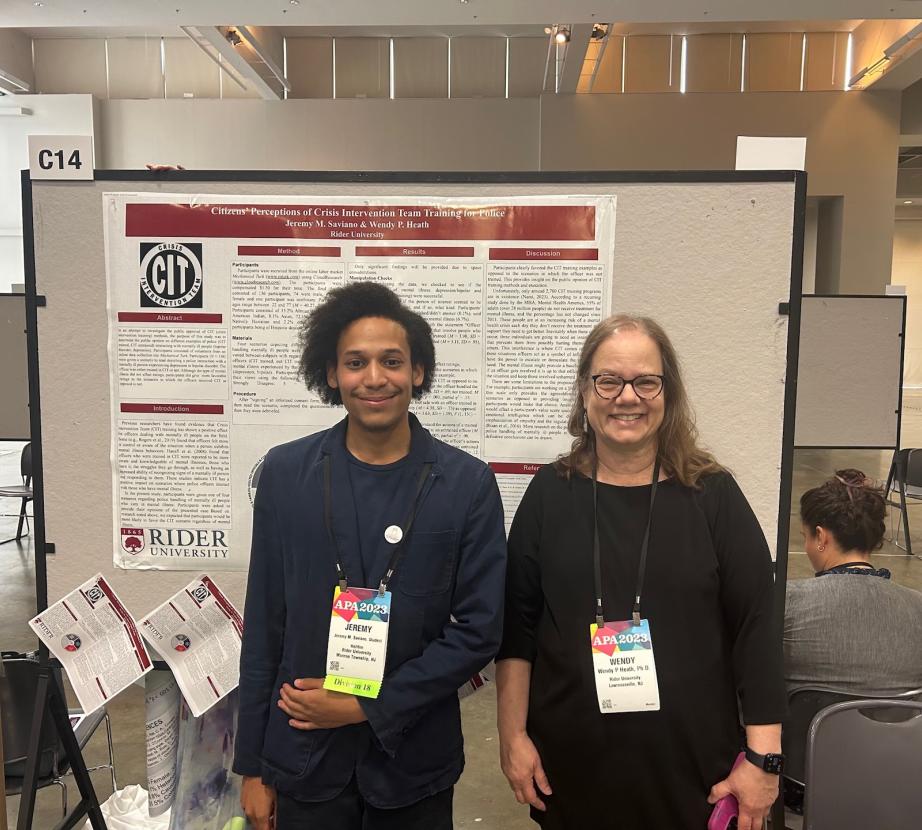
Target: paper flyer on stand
(96, 641)
(205, 296)
(198, 632)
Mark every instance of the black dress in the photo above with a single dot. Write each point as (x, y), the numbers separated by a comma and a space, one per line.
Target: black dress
(708, 597)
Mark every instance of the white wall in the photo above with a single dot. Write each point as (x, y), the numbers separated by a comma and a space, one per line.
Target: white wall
(810, 227)
(50, 115)
(304, 134)
(907, 270)
(16, 55)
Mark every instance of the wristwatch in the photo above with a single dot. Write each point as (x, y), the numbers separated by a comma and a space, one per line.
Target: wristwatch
(772, 762)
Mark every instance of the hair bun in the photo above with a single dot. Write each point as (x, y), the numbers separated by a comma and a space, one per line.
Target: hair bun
(853, 478)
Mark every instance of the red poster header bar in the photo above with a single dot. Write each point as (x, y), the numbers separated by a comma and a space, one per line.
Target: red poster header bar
(361, 222)
(283, 250)
(167, 317)
(544, 253)
(173, 408)
(508, 468)
(375, 250)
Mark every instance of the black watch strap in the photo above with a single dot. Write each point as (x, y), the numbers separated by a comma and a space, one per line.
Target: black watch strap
(770, 762)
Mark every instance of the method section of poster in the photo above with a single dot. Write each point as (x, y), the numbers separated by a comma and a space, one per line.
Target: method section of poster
(206, 295)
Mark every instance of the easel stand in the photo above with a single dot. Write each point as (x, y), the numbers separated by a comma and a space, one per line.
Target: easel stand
(898, 470)
(49, 692)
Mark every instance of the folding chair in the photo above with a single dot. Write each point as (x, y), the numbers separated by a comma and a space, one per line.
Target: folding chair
(904, 482)
(803, 706)
(864, 764)
(18, 687)
(21, 491)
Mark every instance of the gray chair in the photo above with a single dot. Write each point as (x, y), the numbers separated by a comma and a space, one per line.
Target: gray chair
(864, 765)
(22, 491)
(18, 688)
(803, 706)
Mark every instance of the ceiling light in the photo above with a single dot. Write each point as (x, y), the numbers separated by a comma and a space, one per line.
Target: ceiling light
(563, 35)
(38, 4)
(232, 37)
(295, 2)
(548, 30)
(907, 202)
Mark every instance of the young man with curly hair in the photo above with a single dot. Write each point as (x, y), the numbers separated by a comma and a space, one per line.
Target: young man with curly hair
(373, 502)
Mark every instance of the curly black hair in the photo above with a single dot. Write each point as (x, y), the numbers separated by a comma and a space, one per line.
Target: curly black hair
(319, 334)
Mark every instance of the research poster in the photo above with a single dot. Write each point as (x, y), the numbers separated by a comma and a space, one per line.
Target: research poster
(205, 297)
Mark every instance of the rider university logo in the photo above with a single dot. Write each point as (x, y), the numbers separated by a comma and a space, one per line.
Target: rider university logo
(132, 539)
(171, 274)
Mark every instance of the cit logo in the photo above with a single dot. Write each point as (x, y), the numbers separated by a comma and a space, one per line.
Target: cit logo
(171, 275)
(201, 593)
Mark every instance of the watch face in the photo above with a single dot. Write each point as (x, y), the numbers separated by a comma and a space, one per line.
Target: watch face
(774, 764)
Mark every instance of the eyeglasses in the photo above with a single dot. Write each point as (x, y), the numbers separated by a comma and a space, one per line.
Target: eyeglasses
(610, 387)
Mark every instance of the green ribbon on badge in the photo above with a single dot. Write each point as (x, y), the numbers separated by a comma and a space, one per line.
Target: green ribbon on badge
(352, 685)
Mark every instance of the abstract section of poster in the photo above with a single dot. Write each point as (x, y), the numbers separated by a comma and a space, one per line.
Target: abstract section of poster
(96, 641)
(206, 295)
(198, 632)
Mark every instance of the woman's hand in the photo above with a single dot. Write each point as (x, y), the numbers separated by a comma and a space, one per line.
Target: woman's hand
(755, 790)
(258, 802)
(522, 767)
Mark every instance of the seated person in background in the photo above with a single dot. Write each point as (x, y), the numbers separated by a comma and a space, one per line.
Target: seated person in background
(851, 629)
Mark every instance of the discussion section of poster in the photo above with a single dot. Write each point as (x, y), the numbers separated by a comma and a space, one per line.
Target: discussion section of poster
(206, 298)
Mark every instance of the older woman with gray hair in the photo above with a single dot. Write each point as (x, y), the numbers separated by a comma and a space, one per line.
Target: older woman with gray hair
(639, 622)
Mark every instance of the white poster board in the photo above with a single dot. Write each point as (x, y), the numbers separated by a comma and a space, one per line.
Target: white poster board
(708, 255)
(850, 374)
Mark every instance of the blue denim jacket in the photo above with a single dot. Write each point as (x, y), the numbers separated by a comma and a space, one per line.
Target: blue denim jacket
(446, 623)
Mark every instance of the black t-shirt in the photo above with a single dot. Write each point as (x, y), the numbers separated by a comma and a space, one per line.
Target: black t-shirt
(379, 494)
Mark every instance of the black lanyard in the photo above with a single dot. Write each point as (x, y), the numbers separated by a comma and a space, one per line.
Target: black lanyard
(596, 552)
(398, 547)
(860, 567)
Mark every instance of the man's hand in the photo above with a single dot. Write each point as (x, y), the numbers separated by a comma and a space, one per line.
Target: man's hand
(755, 790)
(258, 802)
(522, 767)
(310, 706)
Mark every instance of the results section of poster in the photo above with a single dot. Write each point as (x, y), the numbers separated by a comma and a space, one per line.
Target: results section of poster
(206, 296)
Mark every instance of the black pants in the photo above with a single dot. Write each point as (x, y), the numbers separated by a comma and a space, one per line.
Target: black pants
(349, 811)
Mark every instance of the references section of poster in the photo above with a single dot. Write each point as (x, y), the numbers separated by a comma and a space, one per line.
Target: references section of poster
(206, 295)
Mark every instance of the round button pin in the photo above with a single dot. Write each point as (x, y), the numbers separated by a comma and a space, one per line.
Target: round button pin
(393, 534)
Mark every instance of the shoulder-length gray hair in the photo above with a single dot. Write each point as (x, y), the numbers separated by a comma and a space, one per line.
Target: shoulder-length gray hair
(677, 438)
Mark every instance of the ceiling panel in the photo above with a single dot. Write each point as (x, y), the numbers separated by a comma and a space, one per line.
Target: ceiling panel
(24, 13)
(362, 67)
(68, 66)
(310, 67)
(478, 67)
(421, 67)
(527, 61)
